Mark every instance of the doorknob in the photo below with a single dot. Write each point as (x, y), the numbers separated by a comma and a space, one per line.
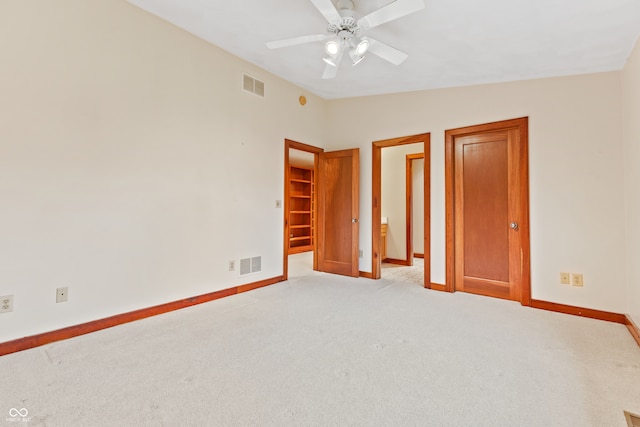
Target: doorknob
(354, 220)
(514, 225)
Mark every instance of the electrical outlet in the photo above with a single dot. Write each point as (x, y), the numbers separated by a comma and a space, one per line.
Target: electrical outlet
(232, 265)
(62, 294)
(361, 253)
(6, 304)
(565, 278)
(577, 279)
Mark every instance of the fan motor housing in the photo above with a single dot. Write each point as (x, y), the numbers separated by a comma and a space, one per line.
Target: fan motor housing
(347, 23)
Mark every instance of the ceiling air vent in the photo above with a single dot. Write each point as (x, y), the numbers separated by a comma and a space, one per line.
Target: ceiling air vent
(252, 85)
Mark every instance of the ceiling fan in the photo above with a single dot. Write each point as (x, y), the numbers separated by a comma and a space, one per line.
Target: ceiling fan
(344, 33)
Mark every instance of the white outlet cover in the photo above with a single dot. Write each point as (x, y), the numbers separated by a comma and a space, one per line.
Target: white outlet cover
(6, 303)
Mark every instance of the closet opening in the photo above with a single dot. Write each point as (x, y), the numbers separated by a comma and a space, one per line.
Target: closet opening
(300, 242)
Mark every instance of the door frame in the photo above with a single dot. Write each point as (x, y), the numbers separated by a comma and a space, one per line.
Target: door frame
(377, 146)
(290, 144)
(522, 127)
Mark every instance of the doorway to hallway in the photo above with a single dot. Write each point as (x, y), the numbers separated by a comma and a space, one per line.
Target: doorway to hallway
(380, 228)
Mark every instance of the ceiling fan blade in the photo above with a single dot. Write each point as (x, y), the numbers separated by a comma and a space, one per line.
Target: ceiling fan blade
(395, 10)
(386, 52)
(330, 71)
(296, 40)
(327, 9)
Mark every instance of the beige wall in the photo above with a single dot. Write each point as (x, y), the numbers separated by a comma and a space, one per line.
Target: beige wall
(132, 165)
(631, 136)
(576, 178)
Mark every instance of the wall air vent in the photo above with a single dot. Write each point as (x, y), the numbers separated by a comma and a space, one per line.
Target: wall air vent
(255, 86)
(250, 265)
(245, 266)
(256, 264)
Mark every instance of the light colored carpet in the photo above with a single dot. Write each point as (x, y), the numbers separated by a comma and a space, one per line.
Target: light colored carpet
(409, 274)
(301, 265)
(326, 350)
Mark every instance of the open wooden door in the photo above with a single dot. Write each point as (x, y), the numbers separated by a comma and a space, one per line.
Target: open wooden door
(338, 186)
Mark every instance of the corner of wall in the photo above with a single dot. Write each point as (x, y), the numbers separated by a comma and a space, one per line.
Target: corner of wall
(631, 141)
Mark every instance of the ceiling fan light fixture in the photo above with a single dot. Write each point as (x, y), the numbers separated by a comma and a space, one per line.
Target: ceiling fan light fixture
(332, 47)
(344, 31)
(362, 47)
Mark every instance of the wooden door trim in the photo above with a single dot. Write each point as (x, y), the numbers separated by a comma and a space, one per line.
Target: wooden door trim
(377, 146)
(522, 126)
(288, 144)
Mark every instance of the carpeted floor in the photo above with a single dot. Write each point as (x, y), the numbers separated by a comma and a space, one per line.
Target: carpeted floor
(324, 350)
(409, 274)
(301, 264)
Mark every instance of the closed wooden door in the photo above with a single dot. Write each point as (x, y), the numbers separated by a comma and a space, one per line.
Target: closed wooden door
(490, 227)
(338, 212)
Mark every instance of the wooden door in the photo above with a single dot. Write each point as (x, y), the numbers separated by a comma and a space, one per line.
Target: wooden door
(489, 208)
(338, 212)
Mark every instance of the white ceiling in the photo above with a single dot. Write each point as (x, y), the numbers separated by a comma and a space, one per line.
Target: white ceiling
(449, 42)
